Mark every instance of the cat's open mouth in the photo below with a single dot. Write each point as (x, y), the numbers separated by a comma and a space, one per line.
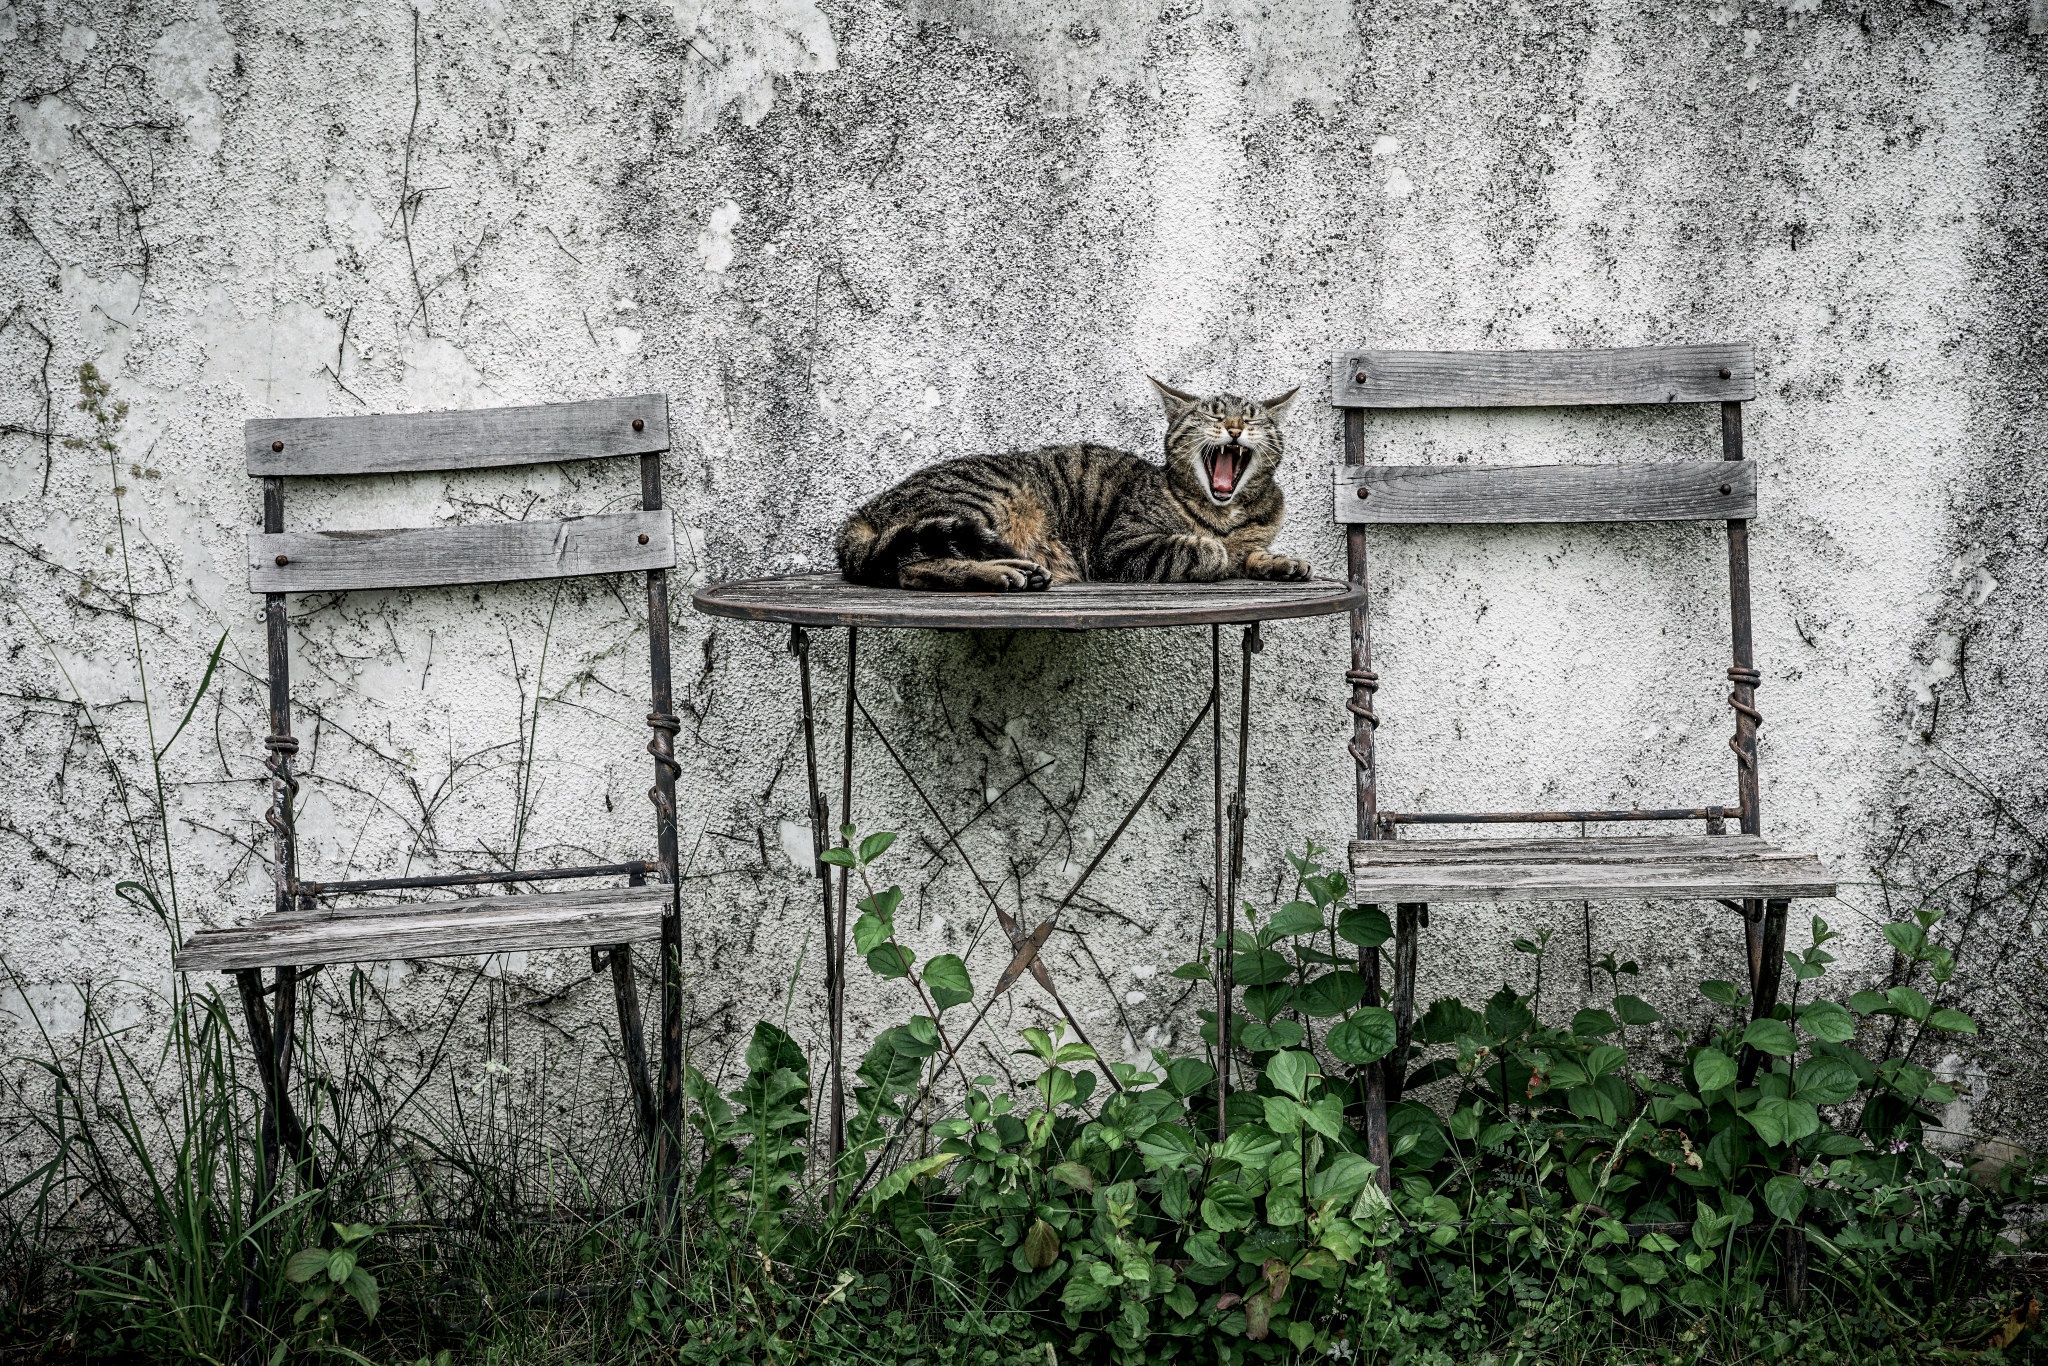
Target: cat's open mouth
(1226, 466)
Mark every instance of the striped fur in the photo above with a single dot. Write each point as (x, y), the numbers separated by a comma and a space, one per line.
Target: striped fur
(1026, 520)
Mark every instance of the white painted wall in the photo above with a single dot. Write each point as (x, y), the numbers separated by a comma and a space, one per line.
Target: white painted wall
(849, 239)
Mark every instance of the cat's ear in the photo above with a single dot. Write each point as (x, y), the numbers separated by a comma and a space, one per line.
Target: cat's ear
(1276, 408)
(1177, 401)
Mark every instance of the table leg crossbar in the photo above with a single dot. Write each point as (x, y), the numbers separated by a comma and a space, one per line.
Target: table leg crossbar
(1026, 955)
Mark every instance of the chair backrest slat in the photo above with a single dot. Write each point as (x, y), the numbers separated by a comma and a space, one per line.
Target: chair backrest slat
(1688, 491)
(1708, 373)
(399, 443)
(494, 552)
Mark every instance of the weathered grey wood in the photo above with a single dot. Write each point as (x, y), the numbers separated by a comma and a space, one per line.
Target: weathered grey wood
(476, 438)
(432, 929)
(1681, 491)
(1573, 849)
(828, 600)
(1522, 379)
(493, 552)
(1595, 869)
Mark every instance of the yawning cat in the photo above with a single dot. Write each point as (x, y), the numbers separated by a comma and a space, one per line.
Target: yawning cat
(1061, 514)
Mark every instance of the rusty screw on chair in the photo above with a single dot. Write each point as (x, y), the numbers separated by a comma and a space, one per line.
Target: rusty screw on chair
(638, 425)
(277, 445)
(1726, 373)
(1727, 488)
(284, 560)
(1364, 492)
(1358, 378)
(643, 538)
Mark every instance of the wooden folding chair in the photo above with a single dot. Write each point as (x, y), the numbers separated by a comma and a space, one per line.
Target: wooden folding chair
(312, 922)
(1740, 870)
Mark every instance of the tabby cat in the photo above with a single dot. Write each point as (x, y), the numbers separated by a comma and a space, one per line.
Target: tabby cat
(1029, 519)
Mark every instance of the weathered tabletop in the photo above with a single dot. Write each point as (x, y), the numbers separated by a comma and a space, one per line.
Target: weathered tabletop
(828, 600)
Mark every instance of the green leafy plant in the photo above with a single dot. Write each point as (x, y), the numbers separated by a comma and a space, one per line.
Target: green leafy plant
(328, 1277)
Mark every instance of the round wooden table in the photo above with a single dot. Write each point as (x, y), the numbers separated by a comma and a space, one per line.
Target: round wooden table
(802, 601)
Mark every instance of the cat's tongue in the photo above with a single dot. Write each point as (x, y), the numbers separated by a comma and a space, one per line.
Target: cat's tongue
(1223, 471)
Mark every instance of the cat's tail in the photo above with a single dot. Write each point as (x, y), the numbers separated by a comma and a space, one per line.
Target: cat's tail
(869, 556)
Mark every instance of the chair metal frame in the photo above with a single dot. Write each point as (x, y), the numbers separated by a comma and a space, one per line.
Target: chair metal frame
(303, 918)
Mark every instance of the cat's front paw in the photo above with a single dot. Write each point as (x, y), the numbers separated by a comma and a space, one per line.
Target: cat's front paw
(1286, 567)
(1022, 576)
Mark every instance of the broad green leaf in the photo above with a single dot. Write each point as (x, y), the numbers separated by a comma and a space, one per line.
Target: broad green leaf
(1333, 993)
(882, 903)
(1191, 972)
(1907, 939)
(1365, 926)
(898, 1181)
(1041, 1245)
(1909, 1002)
(870, 932)
(305, 1264)
(363, 1286)
(1268, 1001)
(1779, 1121)
(1634, 1010)
(1827, 1022)
(1954, 1021)
(1225, 1206)
(1366, 1036)
(1266, 1038)
(1824, 1081)
(1771, 1036)
(945, 977)
(1869, 1003)
(1565, 1074)
(1295, 918)
(1633, 1297)
(1342, 1180)
(340, 1262)
(1719, 992)
(1465, 1123)
(1084, 1293)
(1166, 1144)
(1290, 1071)
(1594, 1023)
(1074, 1052)
(889, 961)
(1326, 1116)
(1073, 1175)
(1785, 1196)
(1259, 967)
(1185, 1076)
(1603, 1059)
(1283, 1116)
(1713, 1069)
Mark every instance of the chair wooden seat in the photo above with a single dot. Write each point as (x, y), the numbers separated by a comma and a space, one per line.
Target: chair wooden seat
(1602, 868)
(432, 929)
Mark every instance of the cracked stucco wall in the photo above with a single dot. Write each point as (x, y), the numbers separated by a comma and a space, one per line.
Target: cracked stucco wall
(849, 238)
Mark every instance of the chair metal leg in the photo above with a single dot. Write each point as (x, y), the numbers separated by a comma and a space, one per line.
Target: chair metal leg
(1409, 917)
(1771, 967)
(1377, 1149)
(272, 1037)
(633, 1041)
